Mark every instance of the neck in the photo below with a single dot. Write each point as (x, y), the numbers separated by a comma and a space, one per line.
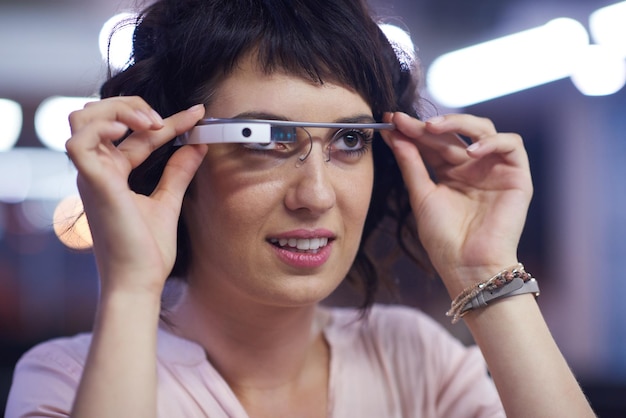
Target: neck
(254, 347)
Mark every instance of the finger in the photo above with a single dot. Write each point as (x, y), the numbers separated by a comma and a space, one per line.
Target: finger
(178, 173)
(132, 111)
(138, 146)
(437, 149)
(408, 157)
(484, 136)
(450, 127)
(98, 139)
(509, 146)
(95, 127)
(471, 126)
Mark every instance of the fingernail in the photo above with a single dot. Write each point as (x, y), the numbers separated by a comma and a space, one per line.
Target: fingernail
(156, 118)
(195, 108)
(473, 147)
(435, 119)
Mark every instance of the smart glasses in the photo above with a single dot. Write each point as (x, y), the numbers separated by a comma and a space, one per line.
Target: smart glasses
(260, 131)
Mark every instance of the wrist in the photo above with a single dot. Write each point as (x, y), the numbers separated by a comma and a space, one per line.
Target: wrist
(459, 278)
(511, 281)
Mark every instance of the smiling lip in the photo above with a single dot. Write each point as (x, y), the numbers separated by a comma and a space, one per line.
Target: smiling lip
(303, 248)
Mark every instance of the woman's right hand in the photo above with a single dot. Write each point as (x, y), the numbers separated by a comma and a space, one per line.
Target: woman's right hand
(134, 235)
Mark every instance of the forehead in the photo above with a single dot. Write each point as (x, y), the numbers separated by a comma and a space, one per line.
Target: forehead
(250, 89)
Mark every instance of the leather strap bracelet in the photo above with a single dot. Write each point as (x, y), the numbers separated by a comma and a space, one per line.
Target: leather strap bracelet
(508, 282)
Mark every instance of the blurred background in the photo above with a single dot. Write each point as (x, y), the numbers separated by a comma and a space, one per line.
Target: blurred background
(555, 75)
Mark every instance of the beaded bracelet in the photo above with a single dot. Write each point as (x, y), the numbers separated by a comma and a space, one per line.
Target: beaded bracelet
(508, 282)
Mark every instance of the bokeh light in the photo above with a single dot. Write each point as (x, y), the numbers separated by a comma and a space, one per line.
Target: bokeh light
(51, 120)
(35, 174)
(608, 27)
(507, 65)
(17, 167)
(116, 39)
(10, 123)
(601, 71)
(70, 224)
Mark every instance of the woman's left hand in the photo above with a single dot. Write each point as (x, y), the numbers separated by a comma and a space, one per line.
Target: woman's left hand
(471, 215)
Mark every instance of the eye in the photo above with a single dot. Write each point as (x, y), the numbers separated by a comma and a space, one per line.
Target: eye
(351, 140)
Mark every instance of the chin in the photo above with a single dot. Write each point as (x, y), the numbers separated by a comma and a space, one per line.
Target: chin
(301, 291)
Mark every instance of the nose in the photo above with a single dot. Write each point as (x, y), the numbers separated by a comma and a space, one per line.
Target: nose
(311, 189)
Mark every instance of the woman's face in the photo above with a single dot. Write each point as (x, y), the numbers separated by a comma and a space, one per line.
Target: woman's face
(265, 226)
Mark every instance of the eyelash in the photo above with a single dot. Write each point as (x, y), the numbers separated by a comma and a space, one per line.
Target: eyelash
(366, 137)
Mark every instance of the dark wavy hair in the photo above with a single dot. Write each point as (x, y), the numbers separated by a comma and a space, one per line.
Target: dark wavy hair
(184, 49)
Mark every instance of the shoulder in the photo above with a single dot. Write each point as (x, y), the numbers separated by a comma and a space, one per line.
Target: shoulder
(65, 354)
(46, 377)
(69, 353)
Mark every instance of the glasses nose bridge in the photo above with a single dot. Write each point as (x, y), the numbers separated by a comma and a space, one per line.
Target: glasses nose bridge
(308, 137)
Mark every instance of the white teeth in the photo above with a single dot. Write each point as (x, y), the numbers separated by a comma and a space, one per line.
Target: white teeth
(302, 244)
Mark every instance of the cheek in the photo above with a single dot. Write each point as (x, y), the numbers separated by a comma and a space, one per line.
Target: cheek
(363, 186)
(229, 209)
(354, 197)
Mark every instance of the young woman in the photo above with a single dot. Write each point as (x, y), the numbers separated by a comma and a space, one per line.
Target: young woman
(253, 236)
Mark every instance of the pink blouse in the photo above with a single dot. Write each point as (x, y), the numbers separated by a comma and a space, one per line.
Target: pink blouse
(396, 363)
